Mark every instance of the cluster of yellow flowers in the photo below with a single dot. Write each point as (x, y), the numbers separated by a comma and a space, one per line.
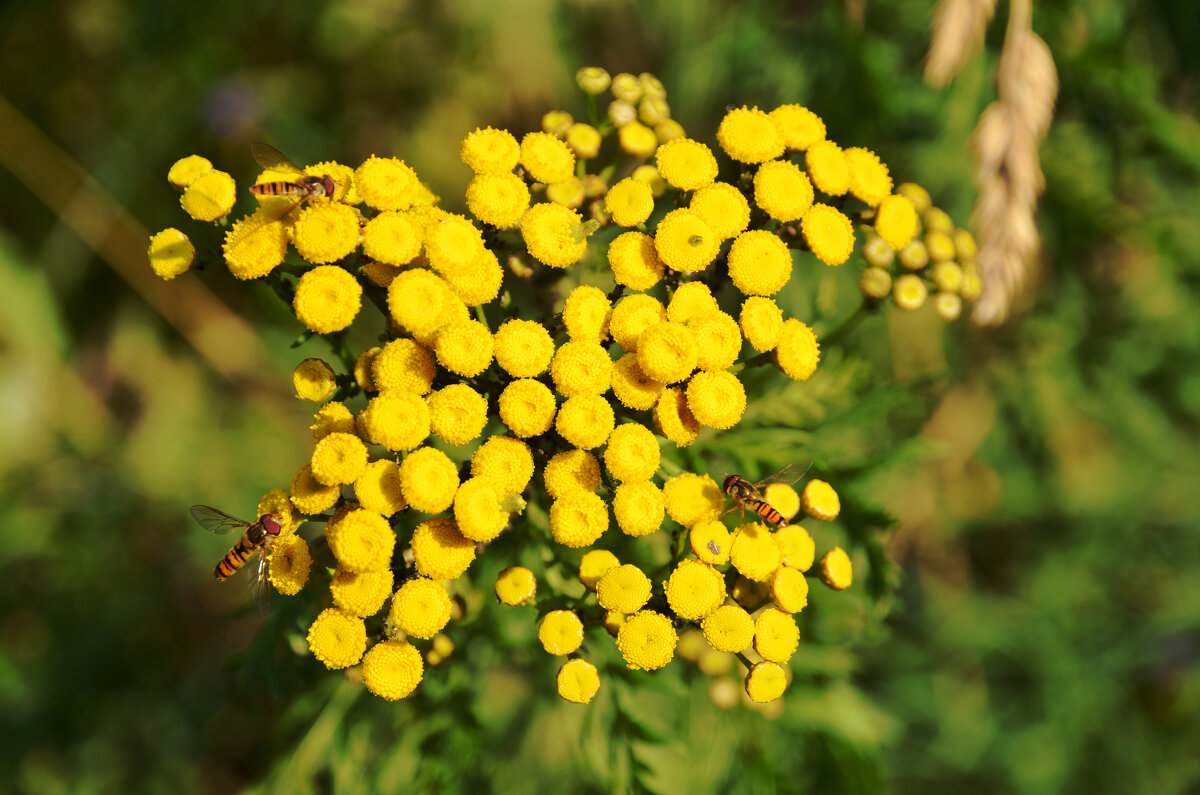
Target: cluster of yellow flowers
(425, 446)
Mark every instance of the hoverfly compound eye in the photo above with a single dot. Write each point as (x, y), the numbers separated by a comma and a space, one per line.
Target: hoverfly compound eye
(271, 524)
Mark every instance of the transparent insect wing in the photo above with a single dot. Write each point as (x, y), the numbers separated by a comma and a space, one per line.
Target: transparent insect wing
(216, 521)
(271, 158)
(787, 476)
(260, 584)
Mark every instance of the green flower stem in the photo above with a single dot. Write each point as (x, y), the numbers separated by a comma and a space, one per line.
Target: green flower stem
(847, 325)
(755, 361)
(745, 660)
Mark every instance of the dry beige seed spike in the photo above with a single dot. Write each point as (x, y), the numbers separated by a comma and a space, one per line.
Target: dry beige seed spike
(958, 29)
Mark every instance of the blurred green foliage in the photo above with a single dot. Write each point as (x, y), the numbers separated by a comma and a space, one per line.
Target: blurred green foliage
(1045, 632)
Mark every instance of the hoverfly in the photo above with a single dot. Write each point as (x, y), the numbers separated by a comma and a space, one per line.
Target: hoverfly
(304, 187)
(746, 495)
(257, 537)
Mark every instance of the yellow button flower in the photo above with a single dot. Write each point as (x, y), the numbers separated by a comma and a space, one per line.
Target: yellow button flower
(337, 638)
(782, 498)
(684, 242)
(633, 387)
(364, 363)
(361, 594)
(835, 569)
(686, 164)
(647, 640)
(667, 352)
(392, 238)
(749, 136)
(428, 480)
(498, 199)
(717, 399)
(673, 419)
(171, 253)
(948, 306)
(729, 629)
(766, 682)
(457, 414)
(395, 418)
(515, 586)
(723, 208)
(776, 635)
(254, 246)
(581, 368)
(361, 540)
(585, 421)
(477, 509)
(761, 321)
(378, 488)
(759, 263)
(782, 190)
(910, 292)
(289, 564)
(339, 458)
(796, 546)
(440, 551)
(896, 221)
(392, 669)
(634, 261)
(595, 564)
(568, 193)
(313, 380)
(310, 497)
(755, 553)
(327, 299)
(828, 233)
(593, 80)
(718, 340)
(797, 352)
(561, 632)
(799, 126)
(506, 461)
(578, 520)
(554, 234)
(695, 589)
(489, 151)
(690, 299)
(692, 498)
(480, 282)
(632, 315)
(403, 365)
(639, 507)
(523, 348)
(789, 589)
(578, 681)
(828, 168)
(637, 140)
(325, 231)
(420, 608)
(571, 471)
(584, 140)
(820, 501)
(711, 541)
(916, 194)
(210, 196)
(546, 158)
(186, 170)
(527, 407)
(386, 183)
(419, 301)
(630, 202)
(870, 180)
(452, 243)
(625, 589)
(632, 453)
(585, 314)
(464, 347)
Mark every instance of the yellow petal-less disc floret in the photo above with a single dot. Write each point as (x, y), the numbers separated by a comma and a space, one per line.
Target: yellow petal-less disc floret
(749, 136)
(717, 399)
(337, 638)
(782, 498)
(776, 635)
(647, 640)
(325, 231)
(630, 202)
(477, 510)
(581, 367)
(896, 221)
(339, 458)
(637, 140)
(464, 347)
(440, 550)
(870, 180)
(363, 364)
(378, 488)
(761, 321)
(420, 608)
(386, 183)
(254, 246)
(361, 594)
(673, 419)
(457, 414)
(755, 553)
(584, 140)
(631, 386)
(361, 540)
(820, 501)
(327, 299)
(210, 196)
(595, 564)
(829, 234)
(634, 261)
(686, 164)
(766, 682)
(480, 282)
(398, 419)
(585, 421)
(723, 208)
(420, 301)
(547, 158)
(632, 453)
(498, 199)
(171, 253)
(187, 170)
(632, 315)
(694, 590)
(690, 300)
(428, 480)
(454, 243)
(561, 632)
(797, 352)
(506, 461)
(593, 80)
(313, 380)
(570, 471)
(782, 190)
(392, 669)
(684, 242)
(490, 151)
(796, 546)
(625, 589)
(310, 497)
(516, 585)
(692, 498)
(718, 340)
(789, 589)
(729, 629)
(527, 407)
(523, 348)
(639, 507)
(827, 168)
(667, 352)
(578, 520)
(710, 541)
(289, 564)
(554, 234)
(403, 365)
(759, 263)
(392, 238)
(585, 314)
(910, 292)
(799, 126)
(836, 570)
(948, 306)
(578, 681)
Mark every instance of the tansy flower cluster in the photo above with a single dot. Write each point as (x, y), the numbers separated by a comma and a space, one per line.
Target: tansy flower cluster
(593, 311)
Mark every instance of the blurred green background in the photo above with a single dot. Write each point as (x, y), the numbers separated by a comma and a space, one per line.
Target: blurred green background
(1044, 628)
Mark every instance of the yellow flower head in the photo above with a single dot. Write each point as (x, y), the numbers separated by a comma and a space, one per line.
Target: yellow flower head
(254, 246)
(820, 501)
(398, 419)
(420, 302)
(516, 585)
(909, 292)
(627, 87)
(547, 158)
(421, 608)
(723, 208)
(313, 380)
(729, 629)
(428, 480)
(290, 562)
(561, 632)
(761, 320)
(776, 635)
(578, 681)
(581, 368)
(339, 458)
(452, 243)
(690, 300)
(568, 193)
(755, 553)
(674, 419)
(310, 497)
(490, 151)
(667, 352)
(387, 183)
(440, 550)
(325, 231)
(789, 589)
(684, 242)
(327, 299)
(277, 501)
(695, 589)
(363, 364)
(378, 488)
(457, 413)
(836, 570)
(554, 234)
(692, 498)
(796, 546)
(477, 509)
(896, 221)
(654, 111)
(630, 202)
(782, 190)
(632, 453)
(625, 589)
(876, 282)
(584, 140)
(392, 669)
(361, 540)
(337, 638)
(585, 421)
(557, 122)
(593, 80)
(632, 315)
(585, 314)
(828, 168)
(799, 126)
(392, 238)
(171, 253)
(710, 541)
(187, 170)
(718, 340)
(505, 461)
(782, 498)
(639, 507)
(210, 196)
(361, 594)
(632, 386)
(479, 283)
(686, 164)
(621, 113)
(870, 180)
(464, 347)
(948, 276)
(498, 199)
(717, 399)
(637, 140)
(766, 682)
(579, 520)
(571, 471)
(749, 136)
(527, 407)
(647, 640)
(668, 130)
(948, 306)
(403, 365)
(797, 352)
(829, 234)
(634, 261)
(595, 564)
(523, 348)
